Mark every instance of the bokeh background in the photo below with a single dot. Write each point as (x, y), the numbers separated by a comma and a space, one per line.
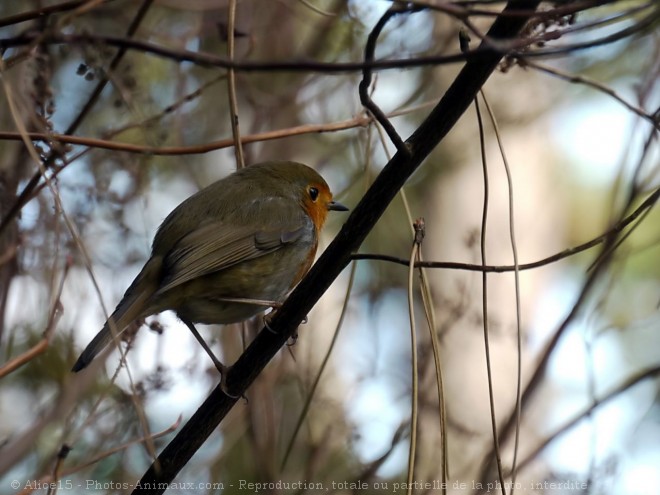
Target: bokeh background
(580, 138)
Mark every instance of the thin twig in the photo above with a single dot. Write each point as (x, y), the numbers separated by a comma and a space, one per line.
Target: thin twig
(365, 83)
(461, 10)
(42, 12)
(231, 87)
(598, 401)
(209, 60)
(316, 9)
(580, 79)
(114, 63)
(516, 276)
(370, 470)
(417, 242)
(358, 121)
(484, 300)
(647, 204)
(324, 363)
(429, 309)
(640, 25)
(43, 344)
(120, 448)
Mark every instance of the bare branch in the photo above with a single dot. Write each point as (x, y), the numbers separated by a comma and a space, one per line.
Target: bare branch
(646, 205)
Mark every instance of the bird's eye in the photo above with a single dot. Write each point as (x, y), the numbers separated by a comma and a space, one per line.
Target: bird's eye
(313, 193)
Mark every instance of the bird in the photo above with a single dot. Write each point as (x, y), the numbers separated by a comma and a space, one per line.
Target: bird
(228, 252)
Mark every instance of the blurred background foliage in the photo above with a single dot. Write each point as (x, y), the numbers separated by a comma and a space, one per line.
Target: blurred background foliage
(580, 160)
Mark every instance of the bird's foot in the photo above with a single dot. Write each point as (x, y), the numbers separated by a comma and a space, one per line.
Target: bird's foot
(219, 366)
(267, 319)
(224, 370)
(293, 339)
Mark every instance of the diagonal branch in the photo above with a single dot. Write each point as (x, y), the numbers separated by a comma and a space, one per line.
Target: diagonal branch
(286, 320)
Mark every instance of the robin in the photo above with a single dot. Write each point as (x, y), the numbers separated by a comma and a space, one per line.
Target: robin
(228, 252)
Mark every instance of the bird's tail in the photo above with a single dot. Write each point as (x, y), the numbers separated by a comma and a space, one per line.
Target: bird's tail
(132, 306)
(128, 310)
(98, 343)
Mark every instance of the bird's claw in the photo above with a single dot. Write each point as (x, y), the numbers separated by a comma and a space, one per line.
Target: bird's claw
(223, 382)
(293, 339)
(268, 318)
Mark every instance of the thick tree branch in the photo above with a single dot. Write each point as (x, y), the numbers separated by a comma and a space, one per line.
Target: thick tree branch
(363, 218)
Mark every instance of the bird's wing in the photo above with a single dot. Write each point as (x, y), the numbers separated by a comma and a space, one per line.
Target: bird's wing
(217, 246)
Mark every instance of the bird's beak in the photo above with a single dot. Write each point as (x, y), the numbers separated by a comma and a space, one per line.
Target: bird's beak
(336, 206)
